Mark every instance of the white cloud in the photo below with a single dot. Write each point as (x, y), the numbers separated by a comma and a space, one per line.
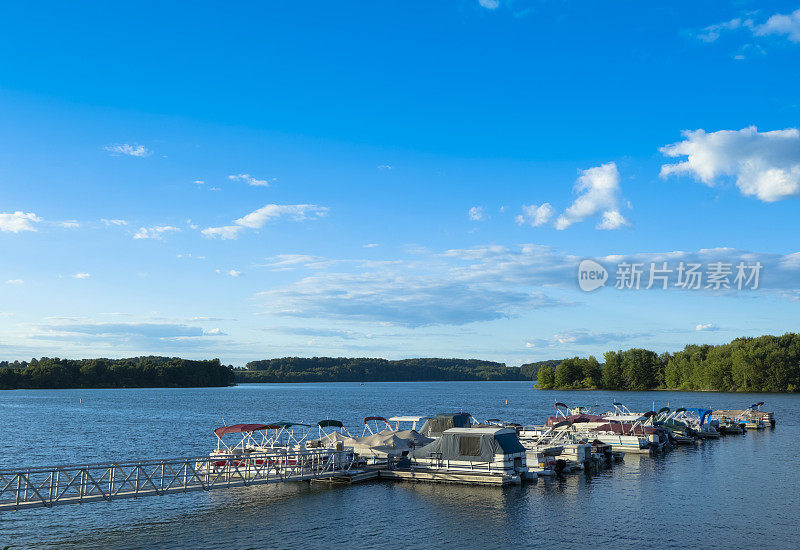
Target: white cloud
(403, 299)
(781, 25)
(114, 222)
(477, 214)
(612, 220)
(784, 25)
(18, 221)
(70, 224)
(134, 150)
(535, 215)
(371, 245)
(224, 232)
(14, 281)
(705, 326)
(385, 167)
(234, 273)
(82, 275)
(598, 192)
(285, 262)
(764, 164)
(579, 337)
(489, 4)
(156, 232)
(713, 32)
(199, 182)
(295, 212)
(258, 218)
(250, 180)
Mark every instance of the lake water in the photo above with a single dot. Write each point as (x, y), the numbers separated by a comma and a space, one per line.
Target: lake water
(738, 492)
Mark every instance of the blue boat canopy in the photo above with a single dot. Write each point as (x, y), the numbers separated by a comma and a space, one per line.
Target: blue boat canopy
(702, 413)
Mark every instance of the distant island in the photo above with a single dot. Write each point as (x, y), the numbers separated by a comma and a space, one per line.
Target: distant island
(135, 372)
(762, 364)
(361, 369)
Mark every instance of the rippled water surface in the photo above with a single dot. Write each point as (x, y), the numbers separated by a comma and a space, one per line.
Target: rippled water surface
(739, 492)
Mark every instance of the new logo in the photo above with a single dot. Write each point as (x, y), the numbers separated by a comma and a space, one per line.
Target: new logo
(591, 275)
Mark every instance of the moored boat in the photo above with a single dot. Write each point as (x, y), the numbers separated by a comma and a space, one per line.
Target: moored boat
(492, 455)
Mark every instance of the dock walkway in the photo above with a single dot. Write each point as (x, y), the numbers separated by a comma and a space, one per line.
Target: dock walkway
(79, 484)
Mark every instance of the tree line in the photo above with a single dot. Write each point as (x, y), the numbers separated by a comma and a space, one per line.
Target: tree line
(362, 369)
(134, 372)
(762, 364)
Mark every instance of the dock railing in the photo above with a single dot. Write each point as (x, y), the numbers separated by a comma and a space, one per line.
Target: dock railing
(79, 484)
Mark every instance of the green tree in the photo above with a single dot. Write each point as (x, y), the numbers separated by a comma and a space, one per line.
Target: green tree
(545, 378)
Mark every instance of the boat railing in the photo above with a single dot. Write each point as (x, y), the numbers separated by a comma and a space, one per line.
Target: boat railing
(83, 483)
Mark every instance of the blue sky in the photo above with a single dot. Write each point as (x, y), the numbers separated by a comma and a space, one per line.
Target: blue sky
(391, 179)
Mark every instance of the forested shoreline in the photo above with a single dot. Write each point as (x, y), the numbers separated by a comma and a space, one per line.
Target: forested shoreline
(364, 369)
(134, 372)
(762, 364)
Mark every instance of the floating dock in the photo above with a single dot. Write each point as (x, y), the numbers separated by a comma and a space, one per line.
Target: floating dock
(79, 484)
(441, 476)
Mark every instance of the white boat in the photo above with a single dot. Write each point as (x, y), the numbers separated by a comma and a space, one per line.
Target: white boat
(468, 452)
(376, 445)
(700, 421)
(408, 422)
(629, 438)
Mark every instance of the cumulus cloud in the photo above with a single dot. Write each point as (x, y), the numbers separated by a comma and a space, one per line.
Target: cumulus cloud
(535, 215)
(16, 222)
(370, 245)
(781, 25)
(705, 327)
(258, 218)
(489, 4)
(82, 275)
(234, 273)
(598, 193)
(156, 232)
(127, 149)
(477, 214)
(250, 180)
(612, 220)
(764, 164)
(117, 223)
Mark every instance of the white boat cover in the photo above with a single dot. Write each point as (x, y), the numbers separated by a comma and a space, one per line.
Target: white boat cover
(379, 445)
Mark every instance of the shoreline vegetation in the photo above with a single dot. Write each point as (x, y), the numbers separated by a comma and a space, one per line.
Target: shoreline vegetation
(362, 369)
(762, 364)
(134, 372)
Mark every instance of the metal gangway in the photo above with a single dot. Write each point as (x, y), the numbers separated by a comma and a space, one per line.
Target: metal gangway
(80, 484)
